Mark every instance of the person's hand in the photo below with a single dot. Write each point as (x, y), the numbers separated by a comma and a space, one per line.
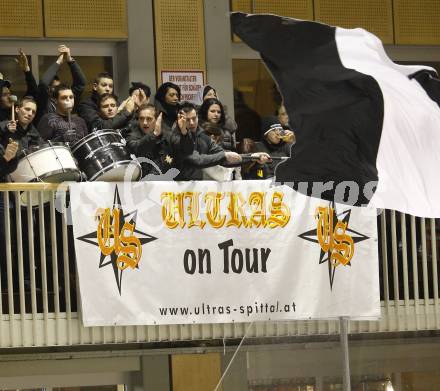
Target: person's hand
(139, 97)
(65, 51)
(130, 105)
(262, 157)
(122, 105)
(12, 126)
(158, 127)
(22, 61)
(60, 59)
(181, 123)
(142, 98)
(289, 136)
(232, 157)
(11, 150)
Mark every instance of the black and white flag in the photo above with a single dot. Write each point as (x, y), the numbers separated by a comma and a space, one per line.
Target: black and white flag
(359, 118)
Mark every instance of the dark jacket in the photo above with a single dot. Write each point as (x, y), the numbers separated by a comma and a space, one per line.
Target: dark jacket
(45, 103)
(24, 138)
(31, 84)
(166, 151)
(206, 154)
(169, 115)
(88, 109)
(5, 114)
(56, 127)
(229, 142)
(254, 170)
(274, 150)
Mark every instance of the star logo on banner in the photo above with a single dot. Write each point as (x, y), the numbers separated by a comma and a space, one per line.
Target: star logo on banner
(118, 239)
(336, 240)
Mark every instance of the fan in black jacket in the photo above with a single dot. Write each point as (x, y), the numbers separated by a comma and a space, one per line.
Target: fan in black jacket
(61, 126)
(88, 109)
(17, 136)
(275, 141)
(160, 151)
(45, 101)
(206, 152)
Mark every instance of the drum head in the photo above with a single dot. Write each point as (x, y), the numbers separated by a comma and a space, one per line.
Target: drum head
(109, 163)
(36, 148)
(97, 139)
(62, 176)
(47, 163)
(121, 172)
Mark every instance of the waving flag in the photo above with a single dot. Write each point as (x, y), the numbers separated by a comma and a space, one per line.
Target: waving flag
(360, 119)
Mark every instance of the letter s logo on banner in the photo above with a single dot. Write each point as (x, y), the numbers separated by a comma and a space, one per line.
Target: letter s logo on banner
(331, 233)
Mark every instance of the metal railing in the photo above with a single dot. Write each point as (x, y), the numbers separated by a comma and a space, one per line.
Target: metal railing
(39, 304)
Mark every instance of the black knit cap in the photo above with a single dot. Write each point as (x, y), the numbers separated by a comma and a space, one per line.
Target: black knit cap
(268, 124)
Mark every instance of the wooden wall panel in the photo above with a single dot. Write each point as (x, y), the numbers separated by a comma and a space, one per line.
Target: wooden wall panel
(21, 18)
(417, 22)
(179, 35)
(86, 19)
(375, 16)
(191, 372)
(300, 9)
(240, 6)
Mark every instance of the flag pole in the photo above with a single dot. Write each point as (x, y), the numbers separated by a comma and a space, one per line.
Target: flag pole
(343, 327)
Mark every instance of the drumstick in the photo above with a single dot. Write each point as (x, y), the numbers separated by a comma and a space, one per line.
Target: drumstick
(13, 99)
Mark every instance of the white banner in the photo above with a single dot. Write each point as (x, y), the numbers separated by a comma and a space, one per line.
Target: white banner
(190, 83)
(207, 252)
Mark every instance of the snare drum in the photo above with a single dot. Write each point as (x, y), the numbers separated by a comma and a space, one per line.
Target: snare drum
(51, 162)
(103, 156)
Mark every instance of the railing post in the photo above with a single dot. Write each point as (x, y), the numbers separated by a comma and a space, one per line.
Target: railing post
(343, 324)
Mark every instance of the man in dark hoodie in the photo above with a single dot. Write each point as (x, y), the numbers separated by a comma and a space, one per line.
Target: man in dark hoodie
(49, 80)
(17, 136)
(275, 141)
(62, 126)
(89, 108)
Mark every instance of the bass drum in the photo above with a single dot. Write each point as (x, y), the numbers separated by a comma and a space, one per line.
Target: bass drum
(47, 163)
(52, 162)
(103, 156)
